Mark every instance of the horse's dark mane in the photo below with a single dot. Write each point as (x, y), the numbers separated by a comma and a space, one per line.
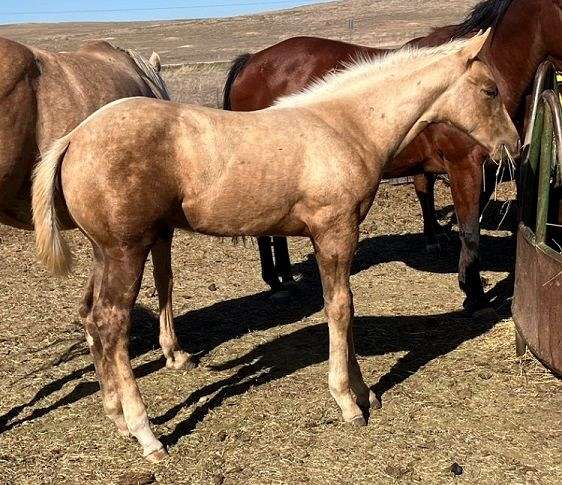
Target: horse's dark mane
(488, 13)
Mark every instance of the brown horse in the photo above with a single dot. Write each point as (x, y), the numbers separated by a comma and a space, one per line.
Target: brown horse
(310, 166)
(525, 32)
(43, 96)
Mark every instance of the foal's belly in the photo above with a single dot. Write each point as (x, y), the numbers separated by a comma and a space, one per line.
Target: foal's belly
(243, 217)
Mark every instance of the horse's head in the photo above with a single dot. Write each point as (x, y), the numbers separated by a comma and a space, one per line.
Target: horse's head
(473, 104)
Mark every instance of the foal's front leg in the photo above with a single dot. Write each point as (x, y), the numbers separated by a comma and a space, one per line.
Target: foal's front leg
(335, 245)
(176, 358)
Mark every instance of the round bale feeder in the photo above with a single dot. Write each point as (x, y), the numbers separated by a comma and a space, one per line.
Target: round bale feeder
(537, 305)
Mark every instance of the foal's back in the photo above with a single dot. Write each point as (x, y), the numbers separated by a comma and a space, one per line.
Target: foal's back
(210, 171)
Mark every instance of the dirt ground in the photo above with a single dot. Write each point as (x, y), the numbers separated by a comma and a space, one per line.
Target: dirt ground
(257, 410)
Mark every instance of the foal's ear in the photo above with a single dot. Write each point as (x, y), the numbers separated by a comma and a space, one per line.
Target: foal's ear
(155, 62)
(475, 45)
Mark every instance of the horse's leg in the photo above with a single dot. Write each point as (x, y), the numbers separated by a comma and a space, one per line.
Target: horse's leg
(366, 399)
(176, 358)
(110, 398)
(111, 314)
(466, 186)
(334, 249)
(425, 185)
(283, 259)
(267, 266)
(88, 298)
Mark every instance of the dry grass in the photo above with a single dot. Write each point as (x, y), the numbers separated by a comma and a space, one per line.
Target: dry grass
(257, 409)
(199, 84)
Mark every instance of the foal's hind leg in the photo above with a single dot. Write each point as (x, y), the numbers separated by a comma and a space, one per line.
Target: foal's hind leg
(111, 314)
(176, 358)
(110, 397)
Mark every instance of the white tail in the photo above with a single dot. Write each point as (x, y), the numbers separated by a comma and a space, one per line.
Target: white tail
(52, 249)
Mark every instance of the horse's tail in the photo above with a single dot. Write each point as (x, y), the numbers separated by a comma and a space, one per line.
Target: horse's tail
(237, 66)
(52, 249)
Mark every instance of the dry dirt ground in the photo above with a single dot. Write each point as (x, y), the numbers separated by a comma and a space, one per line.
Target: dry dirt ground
(257, 409)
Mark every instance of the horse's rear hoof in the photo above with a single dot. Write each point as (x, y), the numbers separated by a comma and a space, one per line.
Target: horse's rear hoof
(157, 456)
(180, 361)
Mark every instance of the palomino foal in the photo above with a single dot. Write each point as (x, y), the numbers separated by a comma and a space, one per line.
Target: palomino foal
(140, 167)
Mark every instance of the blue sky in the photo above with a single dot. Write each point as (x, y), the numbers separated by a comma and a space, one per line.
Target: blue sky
(14, 11)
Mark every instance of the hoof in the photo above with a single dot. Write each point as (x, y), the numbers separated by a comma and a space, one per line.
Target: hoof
(157, 456)
(358, 421)
(487, 315)
(280, 297)
(180, 361)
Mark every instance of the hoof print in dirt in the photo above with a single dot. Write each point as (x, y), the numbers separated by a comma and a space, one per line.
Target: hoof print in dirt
(217, 479)
(137, 478)
(397, 472)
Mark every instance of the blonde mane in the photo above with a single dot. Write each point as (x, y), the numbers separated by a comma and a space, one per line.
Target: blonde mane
(363, 69)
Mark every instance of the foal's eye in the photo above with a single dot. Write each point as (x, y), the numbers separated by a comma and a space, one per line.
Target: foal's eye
(492, 93)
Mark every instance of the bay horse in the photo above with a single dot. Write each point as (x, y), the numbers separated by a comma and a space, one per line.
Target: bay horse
(525, 33)
(43, 96)
(309, 166)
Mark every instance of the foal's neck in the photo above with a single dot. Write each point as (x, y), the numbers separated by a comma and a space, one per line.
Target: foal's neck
(389, 113)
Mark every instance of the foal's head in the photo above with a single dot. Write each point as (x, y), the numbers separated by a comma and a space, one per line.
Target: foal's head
(472, 102)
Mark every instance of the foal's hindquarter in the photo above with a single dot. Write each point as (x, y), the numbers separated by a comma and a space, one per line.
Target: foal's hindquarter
(141, 167)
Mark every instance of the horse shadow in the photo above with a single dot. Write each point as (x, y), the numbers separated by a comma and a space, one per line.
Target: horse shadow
(199, 332)
(423, 338)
